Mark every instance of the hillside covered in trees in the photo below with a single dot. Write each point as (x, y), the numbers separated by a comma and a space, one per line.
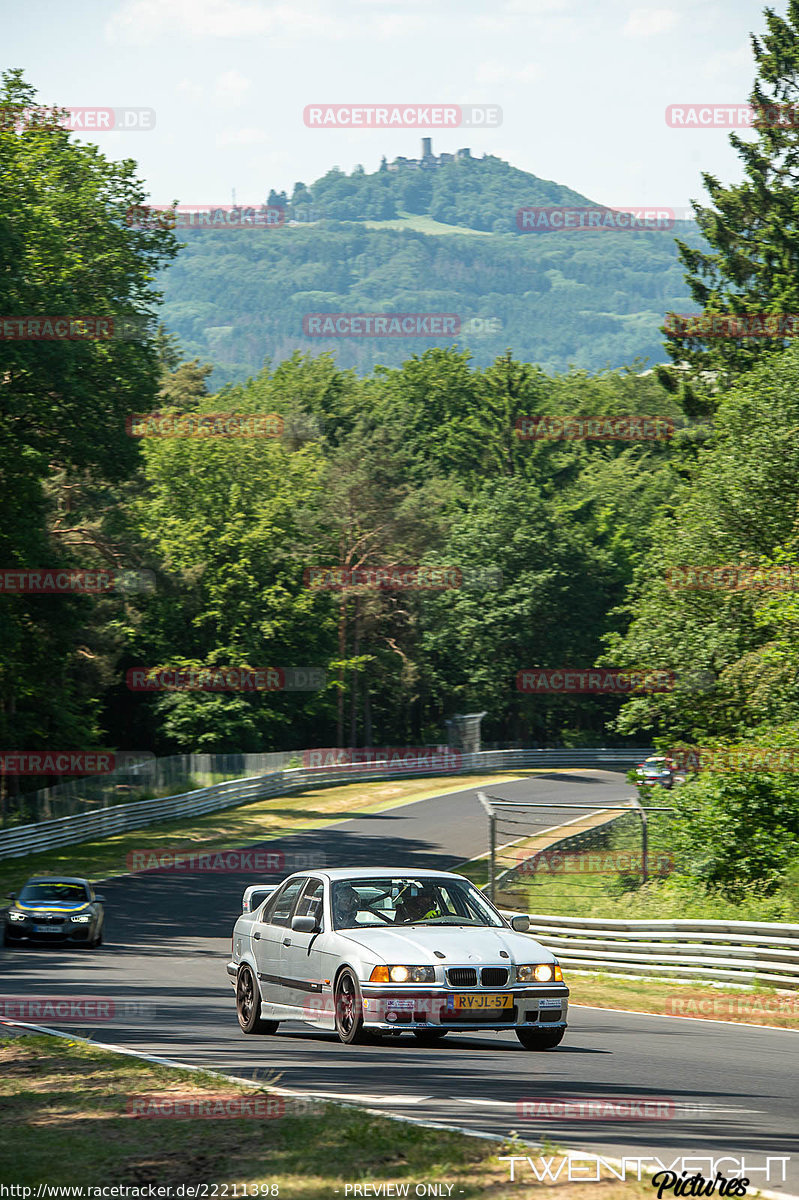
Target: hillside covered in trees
(441, 239)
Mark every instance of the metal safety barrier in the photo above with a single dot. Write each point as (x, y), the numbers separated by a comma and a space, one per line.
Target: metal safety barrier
(746, 952)
(121, 818)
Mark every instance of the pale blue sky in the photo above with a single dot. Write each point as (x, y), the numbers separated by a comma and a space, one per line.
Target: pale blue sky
(583, 86)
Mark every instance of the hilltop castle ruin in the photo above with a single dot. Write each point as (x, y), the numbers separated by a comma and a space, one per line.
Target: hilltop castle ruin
(428, 159)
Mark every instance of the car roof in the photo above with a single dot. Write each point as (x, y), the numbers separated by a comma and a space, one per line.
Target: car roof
(56, 879)
(364, 873)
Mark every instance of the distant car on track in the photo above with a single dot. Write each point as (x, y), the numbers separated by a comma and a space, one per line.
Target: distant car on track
(54, 910)
(255, 895)
(656, 769)
(384, 951)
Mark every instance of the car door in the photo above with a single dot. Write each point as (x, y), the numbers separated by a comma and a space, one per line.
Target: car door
(301, 963)
(267, 936)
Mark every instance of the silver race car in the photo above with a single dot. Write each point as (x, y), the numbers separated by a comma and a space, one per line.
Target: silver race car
(384, 951)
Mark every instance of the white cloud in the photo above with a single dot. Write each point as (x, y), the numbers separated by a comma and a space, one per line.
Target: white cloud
(647, 22)
(241, 137)
(192, 90)
(230, 88)
(142, 22)
(731, 62)
(495, 71)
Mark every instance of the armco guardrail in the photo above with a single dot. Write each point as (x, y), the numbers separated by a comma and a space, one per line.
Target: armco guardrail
(730, 951)
(120, 818)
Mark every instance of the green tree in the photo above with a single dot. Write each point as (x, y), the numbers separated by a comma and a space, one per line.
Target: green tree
(752, 265)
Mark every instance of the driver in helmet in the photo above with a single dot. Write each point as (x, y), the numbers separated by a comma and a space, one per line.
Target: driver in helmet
(346, 905)
(420, 906)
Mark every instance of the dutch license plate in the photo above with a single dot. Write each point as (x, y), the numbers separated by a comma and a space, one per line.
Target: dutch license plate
(498, 1000)
(550, 1003)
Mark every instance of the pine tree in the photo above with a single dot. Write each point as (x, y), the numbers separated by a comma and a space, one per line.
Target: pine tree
(753, 227)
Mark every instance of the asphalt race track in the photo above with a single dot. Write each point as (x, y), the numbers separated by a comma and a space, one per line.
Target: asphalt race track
(732, 1089)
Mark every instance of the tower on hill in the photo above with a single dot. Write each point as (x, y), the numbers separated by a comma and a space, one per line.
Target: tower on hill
(428, 159)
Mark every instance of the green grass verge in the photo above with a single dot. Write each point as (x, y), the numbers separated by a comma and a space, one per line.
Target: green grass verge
(65, 1119)
(752, 1006)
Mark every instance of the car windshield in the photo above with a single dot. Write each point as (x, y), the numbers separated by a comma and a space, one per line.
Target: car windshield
(410, 900)
(46, 893)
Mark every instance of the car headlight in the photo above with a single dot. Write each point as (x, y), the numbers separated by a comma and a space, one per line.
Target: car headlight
(539, 973)
(80, 920)
(402, 974)
(16, 916)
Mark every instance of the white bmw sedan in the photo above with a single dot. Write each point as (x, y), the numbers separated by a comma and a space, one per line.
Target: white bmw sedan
(383, 951)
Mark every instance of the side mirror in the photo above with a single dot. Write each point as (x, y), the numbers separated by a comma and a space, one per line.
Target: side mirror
(521, 924)
(12, 896)
(100, 899)
(305, 924)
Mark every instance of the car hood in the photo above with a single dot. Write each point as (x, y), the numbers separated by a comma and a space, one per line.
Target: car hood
(416, 944)
(52, 906)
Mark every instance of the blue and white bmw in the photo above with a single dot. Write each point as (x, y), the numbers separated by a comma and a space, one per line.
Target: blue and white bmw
(387, 951)
(55, 910)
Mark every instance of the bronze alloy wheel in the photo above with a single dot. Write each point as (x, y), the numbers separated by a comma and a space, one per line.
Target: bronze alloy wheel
(248, 1004)
(349, 1009)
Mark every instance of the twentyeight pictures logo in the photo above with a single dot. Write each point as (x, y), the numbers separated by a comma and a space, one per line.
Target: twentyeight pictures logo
(402, 116)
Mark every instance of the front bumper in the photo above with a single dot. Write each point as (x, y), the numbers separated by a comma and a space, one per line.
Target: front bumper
(391, 1008)
(30, 931)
